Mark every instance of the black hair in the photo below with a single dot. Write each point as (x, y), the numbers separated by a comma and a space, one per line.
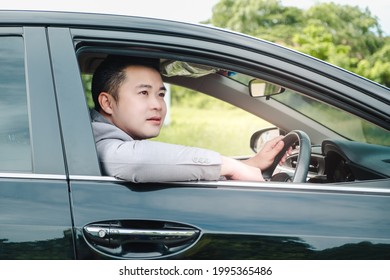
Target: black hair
(109, 75)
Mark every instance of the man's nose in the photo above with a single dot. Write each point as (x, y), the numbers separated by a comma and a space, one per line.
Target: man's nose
(156, 103)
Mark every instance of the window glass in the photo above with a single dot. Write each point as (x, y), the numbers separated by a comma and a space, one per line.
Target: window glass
(341, 122)
(15, 148)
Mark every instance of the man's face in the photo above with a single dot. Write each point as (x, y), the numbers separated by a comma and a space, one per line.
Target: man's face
(140, 109)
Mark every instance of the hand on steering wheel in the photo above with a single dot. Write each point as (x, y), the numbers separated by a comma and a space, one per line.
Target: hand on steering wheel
(302, 168)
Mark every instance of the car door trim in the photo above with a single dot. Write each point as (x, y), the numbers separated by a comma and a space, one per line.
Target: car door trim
(32, 176)
(263, 186)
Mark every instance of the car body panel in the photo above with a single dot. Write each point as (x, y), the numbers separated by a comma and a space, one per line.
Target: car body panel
(323, 220)
(35, 220)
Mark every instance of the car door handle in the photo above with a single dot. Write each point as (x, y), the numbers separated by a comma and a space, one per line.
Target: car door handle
(139, 239)
(109, 232)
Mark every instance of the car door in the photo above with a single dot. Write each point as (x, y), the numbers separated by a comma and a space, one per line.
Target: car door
(35, 220)
(114, 219)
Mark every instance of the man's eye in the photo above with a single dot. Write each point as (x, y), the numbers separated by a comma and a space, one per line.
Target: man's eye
(144, 92)
(162, 94)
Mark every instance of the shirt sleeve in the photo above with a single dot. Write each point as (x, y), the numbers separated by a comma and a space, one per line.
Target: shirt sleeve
(150, 161)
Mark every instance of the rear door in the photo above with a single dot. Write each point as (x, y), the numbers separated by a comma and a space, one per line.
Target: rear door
(35, 220)
(200, 220)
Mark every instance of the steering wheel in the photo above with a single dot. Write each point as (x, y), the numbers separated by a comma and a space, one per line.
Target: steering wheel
(303, 161)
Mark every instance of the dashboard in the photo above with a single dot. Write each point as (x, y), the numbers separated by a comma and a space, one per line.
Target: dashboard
(344, 161)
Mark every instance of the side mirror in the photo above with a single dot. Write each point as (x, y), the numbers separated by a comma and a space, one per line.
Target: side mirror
(260, 88)
(259, 138)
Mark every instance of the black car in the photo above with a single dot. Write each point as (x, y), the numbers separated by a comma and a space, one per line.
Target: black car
(330, 200)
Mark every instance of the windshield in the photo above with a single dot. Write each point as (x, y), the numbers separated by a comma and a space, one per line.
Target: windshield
(341, 122)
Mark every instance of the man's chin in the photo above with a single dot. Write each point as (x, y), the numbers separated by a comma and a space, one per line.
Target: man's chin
(151, 135)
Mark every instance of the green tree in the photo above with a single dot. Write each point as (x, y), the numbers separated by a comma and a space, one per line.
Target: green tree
(267, 19)
(348, 37)
(343, 35)
(377, 66)
(349, 26)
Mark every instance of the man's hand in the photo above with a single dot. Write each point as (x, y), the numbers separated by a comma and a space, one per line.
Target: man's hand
(266, 156)
(234, 169)
(250, 169)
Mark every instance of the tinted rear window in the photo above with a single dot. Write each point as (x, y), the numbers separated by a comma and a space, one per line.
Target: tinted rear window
(15, 148)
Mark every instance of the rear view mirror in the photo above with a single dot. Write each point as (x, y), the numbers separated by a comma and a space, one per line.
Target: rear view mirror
(260, 88)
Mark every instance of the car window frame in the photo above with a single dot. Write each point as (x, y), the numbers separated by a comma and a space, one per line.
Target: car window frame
(78, 141)
(48, 155)
(45, 139)
(105, 39)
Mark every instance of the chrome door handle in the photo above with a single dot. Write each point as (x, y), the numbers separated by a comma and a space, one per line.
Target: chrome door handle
(109, 232)
(138, 239)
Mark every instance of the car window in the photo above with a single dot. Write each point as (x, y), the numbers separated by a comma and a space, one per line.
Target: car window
(198, 120)
(341, 122)
(15, 148)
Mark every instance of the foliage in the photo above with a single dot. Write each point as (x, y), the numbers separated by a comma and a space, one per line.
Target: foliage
(87, 82)
(377, 66)
(260, 18)
(340, 34)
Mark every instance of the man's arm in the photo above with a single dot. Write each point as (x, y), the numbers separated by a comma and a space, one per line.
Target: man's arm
(250, 169)
(237, 170)
(150, 161)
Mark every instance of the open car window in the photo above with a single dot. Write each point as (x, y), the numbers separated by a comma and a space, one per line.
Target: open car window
(199, 120)
(196, 119)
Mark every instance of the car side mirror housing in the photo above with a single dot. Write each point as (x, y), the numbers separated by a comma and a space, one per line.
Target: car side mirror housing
(260, 137)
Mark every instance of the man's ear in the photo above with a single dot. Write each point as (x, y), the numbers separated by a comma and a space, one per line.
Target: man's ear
(105, 101)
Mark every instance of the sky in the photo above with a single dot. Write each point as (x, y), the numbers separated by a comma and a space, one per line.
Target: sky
(181, 10)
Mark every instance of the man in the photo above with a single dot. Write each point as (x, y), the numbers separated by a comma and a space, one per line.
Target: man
(129, 109)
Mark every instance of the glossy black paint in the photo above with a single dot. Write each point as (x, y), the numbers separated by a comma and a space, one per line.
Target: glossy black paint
(324, 221)
(35, 221)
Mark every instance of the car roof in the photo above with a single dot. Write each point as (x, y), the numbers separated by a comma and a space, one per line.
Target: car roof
(160, 26)
(96, 20)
